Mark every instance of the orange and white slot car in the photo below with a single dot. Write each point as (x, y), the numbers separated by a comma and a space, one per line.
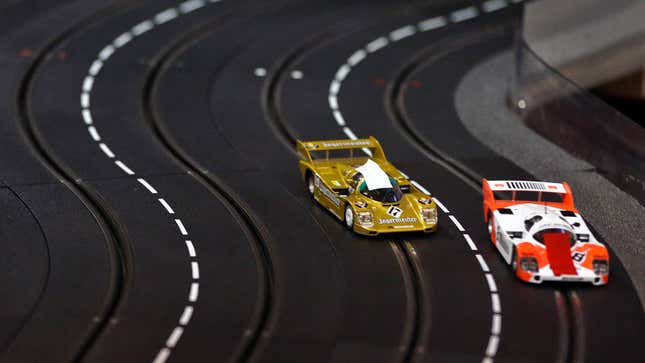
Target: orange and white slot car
(540, 234)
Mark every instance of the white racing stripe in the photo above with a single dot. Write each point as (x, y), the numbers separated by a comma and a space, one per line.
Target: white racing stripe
(379, 43)
(87, 87)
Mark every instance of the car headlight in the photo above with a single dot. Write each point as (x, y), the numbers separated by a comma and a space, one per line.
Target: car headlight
(600, 267)
(529, 264)
(429, 215)
(365, 218)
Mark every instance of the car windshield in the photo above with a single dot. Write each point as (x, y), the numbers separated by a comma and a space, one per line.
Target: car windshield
(383, 195)
(539, 236)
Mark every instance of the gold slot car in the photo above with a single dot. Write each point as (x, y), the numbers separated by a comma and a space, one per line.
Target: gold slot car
(356, 183)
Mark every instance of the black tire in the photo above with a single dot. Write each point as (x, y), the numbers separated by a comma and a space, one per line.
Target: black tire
(491, 228)
(349, 217)
(514, 260)
(309, 183)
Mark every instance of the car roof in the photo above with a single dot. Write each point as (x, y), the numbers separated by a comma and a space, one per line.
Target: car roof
(374, 176)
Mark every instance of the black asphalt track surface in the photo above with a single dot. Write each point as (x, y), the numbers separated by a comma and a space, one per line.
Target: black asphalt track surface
(97, 269)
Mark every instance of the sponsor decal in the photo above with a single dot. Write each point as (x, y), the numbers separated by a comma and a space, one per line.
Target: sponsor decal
(397, 220)
(311, 146)
(578, 256)
(326, 192)
(395, 211)
(346, 143)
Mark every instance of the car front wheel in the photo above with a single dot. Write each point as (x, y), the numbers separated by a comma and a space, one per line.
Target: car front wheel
(349, 217)
(310, 184)
(491, 228)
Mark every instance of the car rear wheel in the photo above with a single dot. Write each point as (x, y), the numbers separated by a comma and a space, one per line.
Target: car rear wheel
(349, 217)
(310, 184)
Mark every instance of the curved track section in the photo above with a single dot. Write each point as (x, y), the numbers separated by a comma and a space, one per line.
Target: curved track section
(150, 180)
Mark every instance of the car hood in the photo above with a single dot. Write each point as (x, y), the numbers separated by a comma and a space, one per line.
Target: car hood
(405, 212)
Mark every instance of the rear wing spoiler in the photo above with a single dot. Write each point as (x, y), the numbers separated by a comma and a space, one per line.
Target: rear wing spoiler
(522, 185)
(370, 146)
(504, 193)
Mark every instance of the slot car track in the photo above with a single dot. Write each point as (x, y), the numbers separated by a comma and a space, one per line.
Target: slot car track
(152, 209)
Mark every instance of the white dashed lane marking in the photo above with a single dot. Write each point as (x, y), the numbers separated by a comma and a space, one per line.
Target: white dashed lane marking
(470, 242)
(186, 315)
(464, 14)
(441, 206)
(182, 228)
(191, 248)
(147, 185)
(106, 150)
(374, 46)
(456, 222)
(482, 263)
(87, 87)
(166, 206)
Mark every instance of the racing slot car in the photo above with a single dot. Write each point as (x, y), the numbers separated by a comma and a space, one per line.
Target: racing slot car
(356, 183)
(540, 234)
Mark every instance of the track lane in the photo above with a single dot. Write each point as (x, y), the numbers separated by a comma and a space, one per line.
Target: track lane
(597, 322)
(164, 268)
(77, 238)
(367, 119)
(347, 345)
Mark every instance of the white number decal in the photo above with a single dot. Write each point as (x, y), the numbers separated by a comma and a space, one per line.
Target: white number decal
(578, 256)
